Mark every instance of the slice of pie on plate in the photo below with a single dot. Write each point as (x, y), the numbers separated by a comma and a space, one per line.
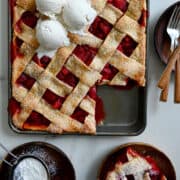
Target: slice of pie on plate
(132, 165)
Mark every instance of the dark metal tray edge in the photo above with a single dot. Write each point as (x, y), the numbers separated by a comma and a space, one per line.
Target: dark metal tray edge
(143, 90)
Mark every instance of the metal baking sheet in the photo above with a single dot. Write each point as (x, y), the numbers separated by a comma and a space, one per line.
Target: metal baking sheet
(126, 110)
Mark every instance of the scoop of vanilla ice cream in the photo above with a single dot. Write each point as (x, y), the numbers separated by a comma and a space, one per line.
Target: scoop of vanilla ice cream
(50, 7)
(51, 35)
(77, 14)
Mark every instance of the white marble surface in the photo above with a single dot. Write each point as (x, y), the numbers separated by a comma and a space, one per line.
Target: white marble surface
(86, 153)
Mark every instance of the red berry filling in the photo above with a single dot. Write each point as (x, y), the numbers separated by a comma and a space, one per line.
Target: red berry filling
(122, 158)
(93, 93)
(42, 62)
(18, 42)
(120, 4)
(127, 46)
(12, 4)
(26, 81)
(109, 72)
(85, 53)
(129, 85)
(14, 107)
(79, 114)
(27, 18)
(133, 153)
(15, 49)
(36, 121)
(154, 171)
(53, 99)
(66, 76)
(143, 18)
(100, 113)
(153, 164)
(100, 28)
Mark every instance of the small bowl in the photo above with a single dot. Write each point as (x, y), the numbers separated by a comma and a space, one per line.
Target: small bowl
(57, 163)
(161, 159)
(21, 158)
(161, 38)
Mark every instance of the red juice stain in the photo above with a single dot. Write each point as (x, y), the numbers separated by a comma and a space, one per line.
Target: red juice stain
(143, 19)
(14, 107)
(11, 7)
(100, 112)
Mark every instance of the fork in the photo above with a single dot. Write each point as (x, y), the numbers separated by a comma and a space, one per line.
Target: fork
(10, 153)
(172, 28)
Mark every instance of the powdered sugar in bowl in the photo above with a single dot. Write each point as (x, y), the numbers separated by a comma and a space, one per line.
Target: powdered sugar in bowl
(30, 168)
(56, 163)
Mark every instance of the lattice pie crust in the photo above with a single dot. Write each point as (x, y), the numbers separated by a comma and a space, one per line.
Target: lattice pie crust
(32, 82)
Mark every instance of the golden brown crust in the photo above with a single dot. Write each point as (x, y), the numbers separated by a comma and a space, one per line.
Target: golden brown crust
(29, 5)
(135, 9)
(129, 67)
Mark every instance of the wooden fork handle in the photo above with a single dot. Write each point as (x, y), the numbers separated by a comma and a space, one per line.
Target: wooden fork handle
(164, 80)
(164, 94)
(177, 81)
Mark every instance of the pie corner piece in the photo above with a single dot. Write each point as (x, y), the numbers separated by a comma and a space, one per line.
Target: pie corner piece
(58, 95)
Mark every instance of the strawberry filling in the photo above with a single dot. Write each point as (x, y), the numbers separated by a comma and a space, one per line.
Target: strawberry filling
(15, 49)
(42, 62)
(14, 107)
(66, 76)
(100, 113)
(53, 99)
(85, 53)
(12, 4)
(143, 18)
(27, 18)
(127, 46)
(120, 4)
(25, 81)
(36, 121)
(100, 28)
(79, 114)
(109, 72)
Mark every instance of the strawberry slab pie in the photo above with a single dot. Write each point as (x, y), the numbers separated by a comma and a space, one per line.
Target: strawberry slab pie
(62, 50)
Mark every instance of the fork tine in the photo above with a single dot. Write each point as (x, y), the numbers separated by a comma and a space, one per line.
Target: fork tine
(177, 18)
(172, 17)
